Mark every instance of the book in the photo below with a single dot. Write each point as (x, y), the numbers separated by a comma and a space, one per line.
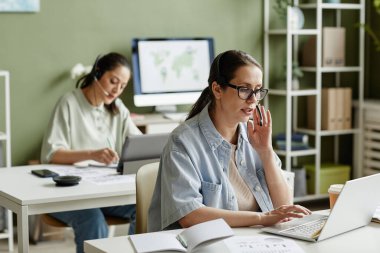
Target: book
(185, 241)
(281, 145)
(296, 137)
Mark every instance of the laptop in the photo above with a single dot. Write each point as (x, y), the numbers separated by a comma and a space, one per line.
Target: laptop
(353, 209)
(139, 150)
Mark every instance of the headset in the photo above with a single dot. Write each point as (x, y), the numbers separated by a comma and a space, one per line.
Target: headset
(96, 73)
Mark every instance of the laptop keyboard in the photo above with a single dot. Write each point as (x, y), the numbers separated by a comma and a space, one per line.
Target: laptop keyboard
(310, 230)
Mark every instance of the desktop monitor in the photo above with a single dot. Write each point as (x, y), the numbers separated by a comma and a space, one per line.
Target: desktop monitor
(170, 71)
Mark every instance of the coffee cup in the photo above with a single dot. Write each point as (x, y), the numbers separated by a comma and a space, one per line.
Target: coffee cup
(334, 191)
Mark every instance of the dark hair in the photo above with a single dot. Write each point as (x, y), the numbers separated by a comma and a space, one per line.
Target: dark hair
(222, 71)
(101, 65)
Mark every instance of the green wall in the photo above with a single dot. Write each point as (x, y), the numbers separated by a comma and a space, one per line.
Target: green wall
(39, 49)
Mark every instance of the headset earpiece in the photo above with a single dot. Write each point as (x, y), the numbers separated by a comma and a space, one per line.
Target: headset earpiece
(95, 69)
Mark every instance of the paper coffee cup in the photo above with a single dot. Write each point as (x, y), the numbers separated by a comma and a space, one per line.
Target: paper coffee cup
(334, 191)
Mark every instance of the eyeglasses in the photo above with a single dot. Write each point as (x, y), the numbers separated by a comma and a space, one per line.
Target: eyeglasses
(246, 93)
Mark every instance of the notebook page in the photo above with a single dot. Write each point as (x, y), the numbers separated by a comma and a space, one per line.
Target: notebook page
(158, 241)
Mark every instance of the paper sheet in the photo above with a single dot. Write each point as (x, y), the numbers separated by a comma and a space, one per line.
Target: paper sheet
(262, 244)
(99, 176)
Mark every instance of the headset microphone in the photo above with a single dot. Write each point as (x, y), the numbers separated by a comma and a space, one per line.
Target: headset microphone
(100, 86)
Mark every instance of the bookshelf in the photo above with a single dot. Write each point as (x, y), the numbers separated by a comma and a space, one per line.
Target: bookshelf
(289, 40)
(5, 138)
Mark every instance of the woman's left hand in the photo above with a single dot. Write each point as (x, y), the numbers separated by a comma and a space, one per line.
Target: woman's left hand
(260, 137)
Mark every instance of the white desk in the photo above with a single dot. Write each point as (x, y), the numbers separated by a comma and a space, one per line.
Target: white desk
(26, 194)
(155, 123)
(364, 239)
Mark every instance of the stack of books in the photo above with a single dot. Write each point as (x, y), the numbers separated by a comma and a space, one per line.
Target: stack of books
(299, 141)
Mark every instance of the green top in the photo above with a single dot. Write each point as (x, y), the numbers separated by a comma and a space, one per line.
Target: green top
(77, 125)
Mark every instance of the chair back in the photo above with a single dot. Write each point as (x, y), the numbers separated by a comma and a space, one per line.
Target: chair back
(145, 183)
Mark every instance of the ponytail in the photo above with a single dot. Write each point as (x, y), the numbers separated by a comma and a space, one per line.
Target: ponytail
(203, 100)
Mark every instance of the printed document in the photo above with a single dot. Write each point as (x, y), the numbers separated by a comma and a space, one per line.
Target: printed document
(261, 244)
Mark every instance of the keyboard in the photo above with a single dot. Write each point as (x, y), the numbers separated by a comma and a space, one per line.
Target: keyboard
(310, 230)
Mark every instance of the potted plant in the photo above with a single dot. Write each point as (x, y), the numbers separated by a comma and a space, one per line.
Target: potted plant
(369, 30)
(297, 18)
(296, 74)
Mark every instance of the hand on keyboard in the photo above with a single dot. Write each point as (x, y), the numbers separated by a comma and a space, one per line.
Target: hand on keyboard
(283, 213)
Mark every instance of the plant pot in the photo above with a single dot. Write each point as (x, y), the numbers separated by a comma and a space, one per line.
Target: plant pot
(295, 84)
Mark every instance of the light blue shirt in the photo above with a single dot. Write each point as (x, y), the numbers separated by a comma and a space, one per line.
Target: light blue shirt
(193, 173)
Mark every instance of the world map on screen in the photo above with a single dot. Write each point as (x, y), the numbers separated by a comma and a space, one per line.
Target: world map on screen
(173, 66)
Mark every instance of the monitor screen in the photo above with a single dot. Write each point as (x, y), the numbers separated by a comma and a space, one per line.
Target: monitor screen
(170, 71)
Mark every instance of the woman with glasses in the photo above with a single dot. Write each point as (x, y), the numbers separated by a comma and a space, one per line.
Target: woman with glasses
(220, 164)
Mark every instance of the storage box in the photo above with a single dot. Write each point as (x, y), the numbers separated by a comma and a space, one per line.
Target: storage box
(329, 174)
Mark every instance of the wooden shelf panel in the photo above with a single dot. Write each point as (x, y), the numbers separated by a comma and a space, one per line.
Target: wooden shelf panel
(332, 69)
(296, 153)
(305, 92)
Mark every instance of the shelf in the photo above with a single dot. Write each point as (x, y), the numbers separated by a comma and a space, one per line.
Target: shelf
(290, 45)
(329, 132)
(305, 92)
(310, 197)
(332, 69)
(296, 153)
(332, 6)
(293, 32)
(368, 172)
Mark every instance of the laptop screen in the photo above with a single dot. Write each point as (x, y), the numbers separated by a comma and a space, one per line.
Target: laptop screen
(139, 150)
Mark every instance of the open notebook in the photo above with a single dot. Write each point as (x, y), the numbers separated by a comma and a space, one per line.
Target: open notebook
(185, 241)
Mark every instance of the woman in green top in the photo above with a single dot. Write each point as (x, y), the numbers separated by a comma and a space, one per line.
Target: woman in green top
(91, 122)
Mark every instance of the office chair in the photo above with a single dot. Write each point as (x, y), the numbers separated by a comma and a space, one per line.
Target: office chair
(112, 221)
(145, 183)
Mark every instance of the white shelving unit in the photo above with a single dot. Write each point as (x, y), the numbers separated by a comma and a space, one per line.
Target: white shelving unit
(291, 96)
(5, 137)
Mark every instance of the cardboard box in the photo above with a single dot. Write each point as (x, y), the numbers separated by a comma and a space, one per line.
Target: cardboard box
(329, 174)
(329, 109)
(333, 48)
(336, 111)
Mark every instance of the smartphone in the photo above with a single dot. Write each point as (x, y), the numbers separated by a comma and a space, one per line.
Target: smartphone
(44, 173)
(260, 115)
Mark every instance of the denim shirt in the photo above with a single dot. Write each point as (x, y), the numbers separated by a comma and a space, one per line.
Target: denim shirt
(193, 173)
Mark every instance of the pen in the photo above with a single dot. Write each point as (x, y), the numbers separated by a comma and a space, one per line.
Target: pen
(109, 143)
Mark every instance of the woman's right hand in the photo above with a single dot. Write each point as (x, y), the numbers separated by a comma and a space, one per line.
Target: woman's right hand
(282, 214)
(105, 155)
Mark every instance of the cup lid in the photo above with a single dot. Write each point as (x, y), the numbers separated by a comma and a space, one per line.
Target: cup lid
(335, 188)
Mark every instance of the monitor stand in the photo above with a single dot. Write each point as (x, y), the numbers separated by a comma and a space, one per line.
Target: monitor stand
(170, 112)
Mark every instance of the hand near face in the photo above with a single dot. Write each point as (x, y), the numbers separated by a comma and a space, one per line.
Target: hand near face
(282, 214)
(260, 137)
(105, 155)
